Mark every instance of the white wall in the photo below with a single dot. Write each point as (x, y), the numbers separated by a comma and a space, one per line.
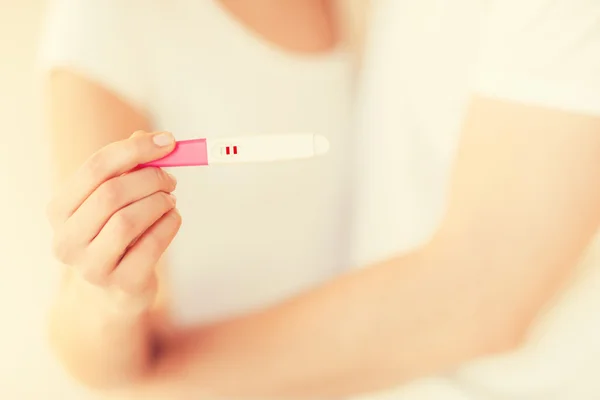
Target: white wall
(27, 370)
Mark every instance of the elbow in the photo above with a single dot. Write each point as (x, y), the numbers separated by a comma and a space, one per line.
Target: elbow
(82, 370)
(490, 313)
(89, 368)
(65, 353)
(497, 335)
(506, 339)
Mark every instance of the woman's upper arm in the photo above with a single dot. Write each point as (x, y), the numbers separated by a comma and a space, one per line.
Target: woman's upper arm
(83, 117)
(525, 198)
(92, 57)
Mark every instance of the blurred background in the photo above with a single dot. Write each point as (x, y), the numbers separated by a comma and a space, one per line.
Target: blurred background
(27, 370)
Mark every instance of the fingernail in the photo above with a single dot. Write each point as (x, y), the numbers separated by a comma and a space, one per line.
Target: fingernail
(163, 139)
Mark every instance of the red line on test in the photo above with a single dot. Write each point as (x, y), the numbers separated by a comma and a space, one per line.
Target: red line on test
(227, 150)
(234, 149)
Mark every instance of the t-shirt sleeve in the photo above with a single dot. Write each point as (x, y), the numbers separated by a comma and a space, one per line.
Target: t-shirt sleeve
(541, 52)
(102, 40)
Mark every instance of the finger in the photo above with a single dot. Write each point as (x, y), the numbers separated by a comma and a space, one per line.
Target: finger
(135, 273)
(64, 248)
(109, 162)
(113, 195)
(109, 246)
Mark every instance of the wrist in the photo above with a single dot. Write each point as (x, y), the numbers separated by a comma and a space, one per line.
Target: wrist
(109, 301)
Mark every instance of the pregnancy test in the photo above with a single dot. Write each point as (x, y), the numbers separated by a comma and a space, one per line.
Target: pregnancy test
(246, 149)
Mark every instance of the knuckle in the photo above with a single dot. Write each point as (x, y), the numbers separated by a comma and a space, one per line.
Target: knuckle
(97, 161)
(135, 283)
(176, 218)
(124, 226)
(154, 244)
(94, 275)
(158, 176)
(61, 249)
(135, 149)
(110, 194)
(166, 200)
(160, 202)
(96, 165)
(136, 145)
(158, 240)
(166, 180)
(138, 133)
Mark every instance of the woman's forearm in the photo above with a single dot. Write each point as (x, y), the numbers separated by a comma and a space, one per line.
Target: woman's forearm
(101, 344)
(370, 330)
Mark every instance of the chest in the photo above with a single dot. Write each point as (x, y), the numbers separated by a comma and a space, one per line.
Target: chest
(252, 233)
(213, 74)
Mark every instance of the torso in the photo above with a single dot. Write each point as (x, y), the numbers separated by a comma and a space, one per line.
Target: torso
(252, 234)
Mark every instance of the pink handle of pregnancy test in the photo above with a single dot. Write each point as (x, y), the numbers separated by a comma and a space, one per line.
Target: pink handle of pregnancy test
(187, 153)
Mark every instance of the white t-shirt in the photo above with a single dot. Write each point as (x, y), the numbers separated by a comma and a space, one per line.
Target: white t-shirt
(251, 234)
(424, 58)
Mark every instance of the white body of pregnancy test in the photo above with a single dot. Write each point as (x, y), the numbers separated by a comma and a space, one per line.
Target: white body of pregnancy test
(245, 149)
